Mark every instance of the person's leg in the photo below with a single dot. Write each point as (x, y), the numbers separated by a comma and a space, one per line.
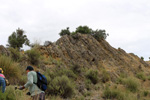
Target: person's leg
(4, 86)
(36, 97)
(1, 85)
(42, 96)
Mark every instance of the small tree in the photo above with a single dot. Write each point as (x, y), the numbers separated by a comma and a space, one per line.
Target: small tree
(99, 35)
(142, 58)
(83, 30)
(65, 32)
(17, 39)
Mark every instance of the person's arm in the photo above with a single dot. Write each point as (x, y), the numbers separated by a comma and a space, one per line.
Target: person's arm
(30, 80)
(2, 75)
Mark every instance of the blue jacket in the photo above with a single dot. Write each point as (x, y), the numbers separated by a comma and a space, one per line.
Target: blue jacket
(2, 84)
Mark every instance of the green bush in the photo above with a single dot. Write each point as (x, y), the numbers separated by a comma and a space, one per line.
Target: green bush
(113, 94)
(33, 56)
(105, 77)
(123, 75)
(69, 74)
(99, 35)
(76, 68)
(15, 54)
(92, 75)
(141, 76)
(11, 69)
(119, 80)
(61, 71)
(12, 94)
(62, 86)
(65, 32)
(148, 77)
(145, 93)
(83, 30)
(86, 94)
(132, 84)
(88, 84)
(142, 58)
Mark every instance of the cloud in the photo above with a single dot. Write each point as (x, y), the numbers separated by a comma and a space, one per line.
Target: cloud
(127, 22)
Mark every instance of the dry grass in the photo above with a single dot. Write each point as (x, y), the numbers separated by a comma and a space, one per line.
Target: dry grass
(11, 69)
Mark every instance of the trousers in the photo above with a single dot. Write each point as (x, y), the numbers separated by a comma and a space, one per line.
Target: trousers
(40, 96)
(2, 84)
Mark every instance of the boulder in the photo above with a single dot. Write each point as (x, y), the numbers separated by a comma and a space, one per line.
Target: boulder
(4, 51)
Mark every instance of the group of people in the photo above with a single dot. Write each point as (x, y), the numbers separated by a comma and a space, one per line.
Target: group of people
(35, 92)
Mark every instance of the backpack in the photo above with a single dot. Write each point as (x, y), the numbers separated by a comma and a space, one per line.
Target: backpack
(41, 81)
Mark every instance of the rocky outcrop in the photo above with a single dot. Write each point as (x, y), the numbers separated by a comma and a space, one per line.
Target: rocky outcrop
(3, 50)
(86, 51)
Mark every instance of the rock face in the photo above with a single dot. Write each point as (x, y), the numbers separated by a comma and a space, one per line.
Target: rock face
(86, 51)
(3, 50)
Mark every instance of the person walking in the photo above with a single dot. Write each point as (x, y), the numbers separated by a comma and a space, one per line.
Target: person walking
(34, 90)
(2, 81)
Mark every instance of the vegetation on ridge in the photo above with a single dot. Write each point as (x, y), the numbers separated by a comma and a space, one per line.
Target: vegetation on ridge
(97, 34)
(115, 75)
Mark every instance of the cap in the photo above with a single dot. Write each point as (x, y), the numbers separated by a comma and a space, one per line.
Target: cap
(30, 68)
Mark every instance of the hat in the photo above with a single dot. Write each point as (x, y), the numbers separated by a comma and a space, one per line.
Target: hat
(30, 68)
(1, 70)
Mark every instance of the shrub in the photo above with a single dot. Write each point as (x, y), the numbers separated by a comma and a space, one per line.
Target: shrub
(99, 35)
(65, 32)
(132, 84)
(60, 82)
(61, 85)
(113, 94)
(92, 75)
(83, 30)
(123, 75)
(141, 76)
(105, 77)
(145, 93)
(15, 54)
(11, 69)
(76, 68)
(86, 94)
(142, 58)
(61, 71)
(119, 80)
(148, 77)
(66, 72)
(12, 94)
(33, 56)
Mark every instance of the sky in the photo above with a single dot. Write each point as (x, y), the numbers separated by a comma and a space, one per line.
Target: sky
(126, 21)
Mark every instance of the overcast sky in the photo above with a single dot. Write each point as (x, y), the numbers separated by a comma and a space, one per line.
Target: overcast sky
(126, 21)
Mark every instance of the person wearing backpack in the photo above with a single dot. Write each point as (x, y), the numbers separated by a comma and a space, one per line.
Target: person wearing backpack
(2, 81)
(34, 90)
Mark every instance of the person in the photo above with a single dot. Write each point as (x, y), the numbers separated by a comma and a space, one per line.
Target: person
(34, 90)
(2, 81)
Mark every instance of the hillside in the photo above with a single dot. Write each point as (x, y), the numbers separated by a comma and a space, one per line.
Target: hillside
(86, 51)
(85, 68)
